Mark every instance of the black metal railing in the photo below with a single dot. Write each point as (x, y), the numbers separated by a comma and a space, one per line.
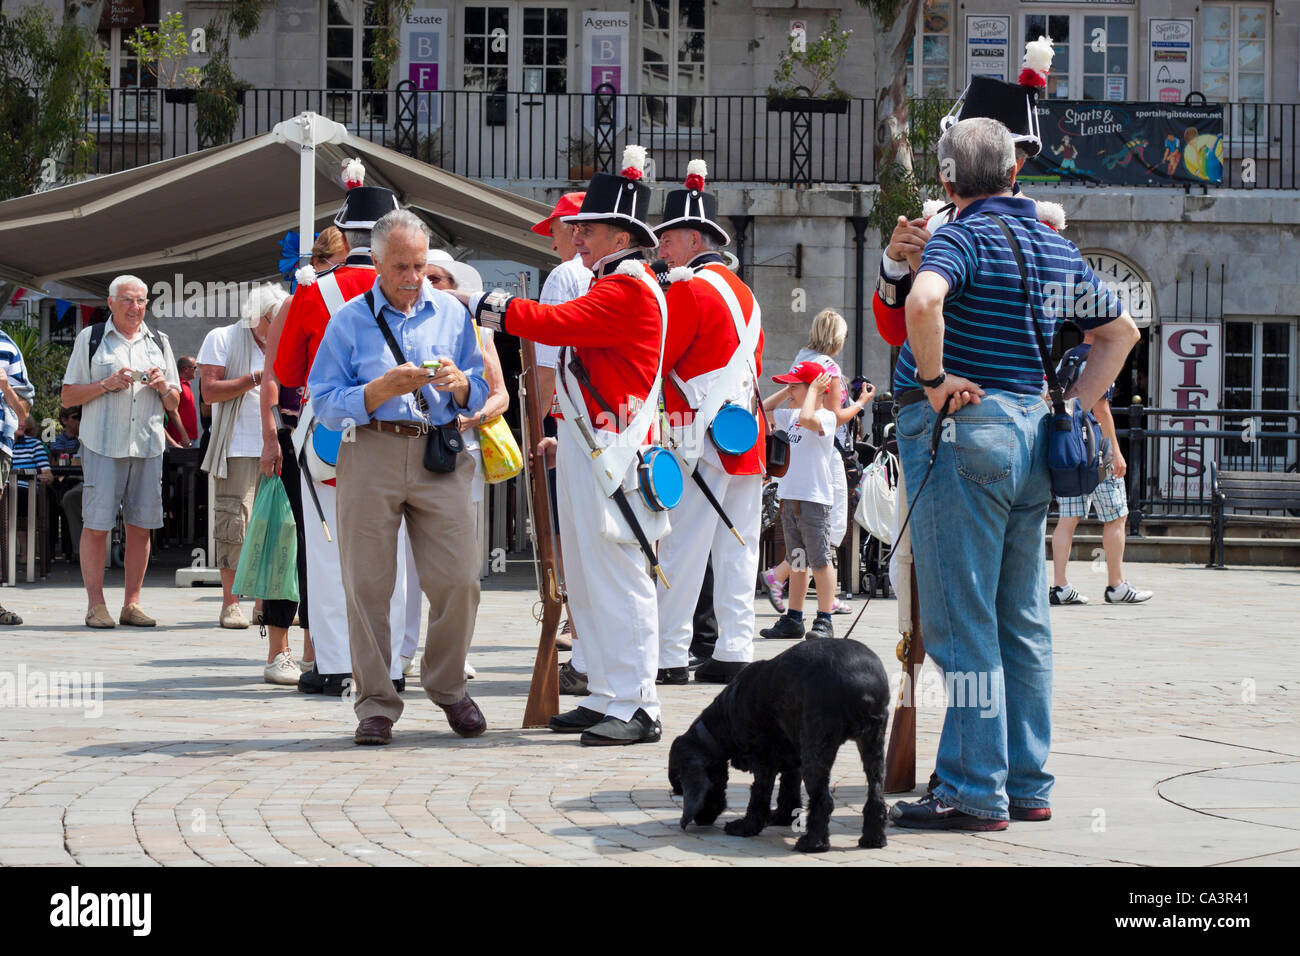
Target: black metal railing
(566, 136)
(1169, 450)
(512, 135)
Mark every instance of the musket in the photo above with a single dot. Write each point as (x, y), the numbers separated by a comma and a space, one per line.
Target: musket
(900, 756)
(544, 689)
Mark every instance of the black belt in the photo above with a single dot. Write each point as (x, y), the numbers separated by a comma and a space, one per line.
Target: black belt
(909, 396)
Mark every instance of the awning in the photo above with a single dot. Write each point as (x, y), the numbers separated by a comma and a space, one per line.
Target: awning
(218, 215)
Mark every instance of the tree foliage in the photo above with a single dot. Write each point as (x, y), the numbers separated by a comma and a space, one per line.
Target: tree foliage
(47, 74)
(46, 363)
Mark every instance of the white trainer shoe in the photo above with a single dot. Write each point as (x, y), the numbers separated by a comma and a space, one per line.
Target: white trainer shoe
(1126, 594)
(233, 617)
(408, 666)
(282, 670)
(470, 673)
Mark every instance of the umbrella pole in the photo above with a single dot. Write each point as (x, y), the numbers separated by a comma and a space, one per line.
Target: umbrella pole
(306, 191)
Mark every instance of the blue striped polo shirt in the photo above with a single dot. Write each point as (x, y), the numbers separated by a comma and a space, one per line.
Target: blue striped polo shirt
(987, 336)
(11, 360)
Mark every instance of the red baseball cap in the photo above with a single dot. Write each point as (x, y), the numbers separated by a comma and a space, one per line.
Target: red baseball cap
(801, 374)
(568, 205)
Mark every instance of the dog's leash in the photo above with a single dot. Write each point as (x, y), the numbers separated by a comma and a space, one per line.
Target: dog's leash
(934, 451)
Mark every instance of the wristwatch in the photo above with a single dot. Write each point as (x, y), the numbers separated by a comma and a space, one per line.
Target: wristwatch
(932, 382)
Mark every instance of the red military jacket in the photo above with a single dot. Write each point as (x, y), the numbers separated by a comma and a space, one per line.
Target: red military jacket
(614, 329)
(701, 339)
(304, 326)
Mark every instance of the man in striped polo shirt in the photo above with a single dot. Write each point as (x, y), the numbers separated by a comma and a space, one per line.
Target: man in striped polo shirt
(972, 430)
(16, 394)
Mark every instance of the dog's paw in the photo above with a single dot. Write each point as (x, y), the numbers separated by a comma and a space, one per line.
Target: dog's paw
(812, 844)
(872, 842)
(743, 827)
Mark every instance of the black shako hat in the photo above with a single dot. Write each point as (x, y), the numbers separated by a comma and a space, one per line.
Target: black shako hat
(692, 207)
(1014, 105)
(363, 206)
(621, 200)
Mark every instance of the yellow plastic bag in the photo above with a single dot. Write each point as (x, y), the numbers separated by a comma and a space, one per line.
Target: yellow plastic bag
(501, 456)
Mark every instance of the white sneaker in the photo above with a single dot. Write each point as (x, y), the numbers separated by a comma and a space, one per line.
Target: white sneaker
(1126, 594)
(470, 673)
(408, 666)
(233, 617)
(282, 670)
(1065, 595)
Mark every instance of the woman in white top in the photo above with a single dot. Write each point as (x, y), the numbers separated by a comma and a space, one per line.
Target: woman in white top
(825, 342)
(231, 361)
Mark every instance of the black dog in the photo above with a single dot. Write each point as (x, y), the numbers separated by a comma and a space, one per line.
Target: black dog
(789, 715)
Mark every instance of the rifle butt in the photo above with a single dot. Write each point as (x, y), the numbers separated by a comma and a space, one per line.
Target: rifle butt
(544, 689)
(900, 757)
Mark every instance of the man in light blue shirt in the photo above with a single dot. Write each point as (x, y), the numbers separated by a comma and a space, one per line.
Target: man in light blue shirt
(386, 408)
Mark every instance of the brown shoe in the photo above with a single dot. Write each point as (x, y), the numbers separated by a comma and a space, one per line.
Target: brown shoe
(374, 730)
(465, 718)
(133, 614)
(98, 616)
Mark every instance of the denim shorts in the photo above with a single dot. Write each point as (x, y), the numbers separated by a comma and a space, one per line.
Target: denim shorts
(133, 483)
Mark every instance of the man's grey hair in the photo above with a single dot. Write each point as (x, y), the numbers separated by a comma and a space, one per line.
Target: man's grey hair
(977, 158)
(710, 241)
(357, 238)
(124, 282)
(399, 220)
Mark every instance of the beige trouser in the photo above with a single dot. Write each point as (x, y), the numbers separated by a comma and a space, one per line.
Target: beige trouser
(381, 479)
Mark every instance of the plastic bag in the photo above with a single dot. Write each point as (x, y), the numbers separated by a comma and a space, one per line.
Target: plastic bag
(268, 561)
(877, 498)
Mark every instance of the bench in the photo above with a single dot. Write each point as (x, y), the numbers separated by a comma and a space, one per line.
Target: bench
(1250, 491)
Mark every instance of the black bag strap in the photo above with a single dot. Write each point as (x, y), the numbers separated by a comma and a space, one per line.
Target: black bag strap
(97, 336)
(1053, 383)
(580, 373)
(393, 347)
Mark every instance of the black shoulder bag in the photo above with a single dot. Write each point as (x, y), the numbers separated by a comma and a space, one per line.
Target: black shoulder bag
(445, 442)
(1077, 453)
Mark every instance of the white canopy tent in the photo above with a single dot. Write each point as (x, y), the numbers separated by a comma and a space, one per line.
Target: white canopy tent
(218, 215)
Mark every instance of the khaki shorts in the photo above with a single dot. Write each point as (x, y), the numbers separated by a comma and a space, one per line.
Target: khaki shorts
(133, 483)
(232, 507)
(806, 526)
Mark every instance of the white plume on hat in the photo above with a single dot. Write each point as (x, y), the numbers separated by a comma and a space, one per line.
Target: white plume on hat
(697, 167)
(1050, 213)
(354, 173)
(931, 208)
(633, 158)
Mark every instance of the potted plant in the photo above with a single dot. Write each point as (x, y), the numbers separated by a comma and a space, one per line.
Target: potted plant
(818, 59)
(580, 151)
(161, 52)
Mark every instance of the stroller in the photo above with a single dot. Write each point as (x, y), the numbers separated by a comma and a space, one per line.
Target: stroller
(881, 452)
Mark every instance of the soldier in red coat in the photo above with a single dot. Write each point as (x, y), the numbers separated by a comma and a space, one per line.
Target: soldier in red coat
(711, 382)
(607, 384)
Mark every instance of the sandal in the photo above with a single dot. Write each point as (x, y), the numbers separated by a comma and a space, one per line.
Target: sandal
(9, 617)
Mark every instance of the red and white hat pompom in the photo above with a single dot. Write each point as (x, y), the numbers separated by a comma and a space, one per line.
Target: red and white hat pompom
(1037, 63)
(633, 162)
(696, 173)
(354, 174)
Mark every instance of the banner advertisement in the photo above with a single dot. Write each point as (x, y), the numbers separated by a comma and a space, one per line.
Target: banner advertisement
(1128, 144)
(1170, 64)
(423, 44)
(604, 57)
(988, 42)
(1191, 362)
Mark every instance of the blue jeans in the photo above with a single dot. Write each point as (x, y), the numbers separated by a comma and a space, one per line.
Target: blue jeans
(978, 529)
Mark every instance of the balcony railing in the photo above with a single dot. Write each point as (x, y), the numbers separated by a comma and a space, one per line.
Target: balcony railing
(565, 136)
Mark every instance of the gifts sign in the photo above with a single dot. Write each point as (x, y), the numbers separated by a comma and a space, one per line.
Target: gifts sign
(1128, 144)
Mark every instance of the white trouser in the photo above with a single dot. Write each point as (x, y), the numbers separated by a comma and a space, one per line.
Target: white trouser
(611, 597)
(697, 530)
(414, 597)
(328, 608)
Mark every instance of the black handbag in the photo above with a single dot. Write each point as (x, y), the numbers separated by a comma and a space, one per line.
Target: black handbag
(444, 442)
(778, 453)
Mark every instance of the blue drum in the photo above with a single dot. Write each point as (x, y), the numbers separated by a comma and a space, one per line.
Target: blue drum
(325, 443)
(659, 477)
(734, 430)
